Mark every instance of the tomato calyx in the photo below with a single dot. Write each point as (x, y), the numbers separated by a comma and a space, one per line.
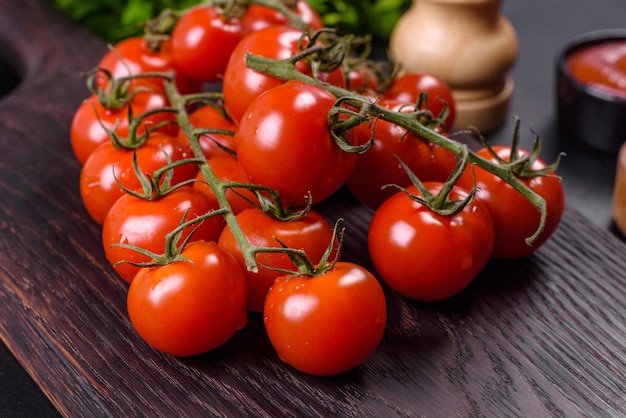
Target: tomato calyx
(441, 202)
(173, 246)
(114, 92)
(321, 51)
(267, 200)
(160, 27)
(521, 165)
(342, 117)
(375, 74)
(160, 183)
(305, 267)
(133, 140)
(427, 118)
(270, 202)
(117, 92)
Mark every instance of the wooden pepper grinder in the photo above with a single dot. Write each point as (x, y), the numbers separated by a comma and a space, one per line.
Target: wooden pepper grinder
(467, 43)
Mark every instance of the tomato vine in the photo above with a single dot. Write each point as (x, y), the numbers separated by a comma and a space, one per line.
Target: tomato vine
(292, 139)
(285, 70)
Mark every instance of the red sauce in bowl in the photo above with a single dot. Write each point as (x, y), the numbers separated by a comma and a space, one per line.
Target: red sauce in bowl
(601, 66)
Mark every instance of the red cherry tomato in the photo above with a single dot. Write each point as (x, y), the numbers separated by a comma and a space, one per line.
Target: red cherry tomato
(134, 55)
(189, 307)
(407, 88)
(107, 165)
(328, 324)
(379, 165)
(242, 84)
(284, 143)
(208, 117)
(312, 233)
(145, 223)
(227, 169)
(87, 133)
(258, 17)
(426, 256)
(202, 41)
(514, 217)
(362, 79)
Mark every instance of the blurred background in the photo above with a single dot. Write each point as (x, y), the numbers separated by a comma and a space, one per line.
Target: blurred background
(117, 19)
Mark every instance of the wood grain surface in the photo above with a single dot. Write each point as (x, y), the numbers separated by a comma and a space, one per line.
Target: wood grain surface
(543, 336)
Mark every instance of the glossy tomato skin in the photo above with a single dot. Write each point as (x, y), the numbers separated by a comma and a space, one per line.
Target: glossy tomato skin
(145, 223)
(407, 88)
(87, 132)
(242, 84)
(362, 79)
(107, 165)
(379, 166)
(189, 307)
(258, 17)
(227, 169)
(134, 56)
(284, 143)
(208, 117)
(312, 233)
(425, 256)
(329, 324)
(514, 217)
(202, 41)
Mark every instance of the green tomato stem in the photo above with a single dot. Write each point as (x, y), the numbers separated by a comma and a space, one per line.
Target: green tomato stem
(219, 188)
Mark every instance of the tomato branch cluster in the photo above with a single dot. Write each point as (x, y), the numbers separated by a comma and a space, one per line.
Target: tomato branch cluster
(285, 70)
(393, 153)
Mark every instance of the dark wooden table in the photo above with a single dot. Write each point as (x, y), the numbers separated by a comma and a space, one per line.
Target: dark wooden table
(544, 336)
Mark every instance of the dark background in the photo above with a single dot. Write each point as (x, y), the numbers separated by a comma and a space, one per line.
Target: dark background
(543, 27)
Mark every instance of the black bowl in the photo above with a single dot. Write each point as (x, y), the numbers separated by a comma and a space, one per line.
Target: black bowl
(591, 115)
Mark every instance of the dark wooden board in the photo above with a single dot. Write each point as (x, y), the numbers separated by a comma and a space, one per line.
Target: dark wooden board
(544, 336)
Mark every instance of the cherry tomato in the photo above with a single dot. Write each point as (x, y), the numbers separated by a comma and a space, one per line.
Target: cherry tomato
(362, 79)
(135, 55)
(407, 88)
(379, 165)
(208, 117)
(258, 17)
(87, 133)
(145, 223)
(284, 143)
(514, 217)
(312, 234)
(426, 256)
(202, 41)
(227, 169)
(189, 307)
(242, 84)
(328, 324)
(107, 165)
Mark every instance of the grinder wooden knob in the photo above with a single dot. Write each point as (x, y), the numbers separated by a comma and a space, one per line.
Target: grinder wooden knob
(467, 43)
